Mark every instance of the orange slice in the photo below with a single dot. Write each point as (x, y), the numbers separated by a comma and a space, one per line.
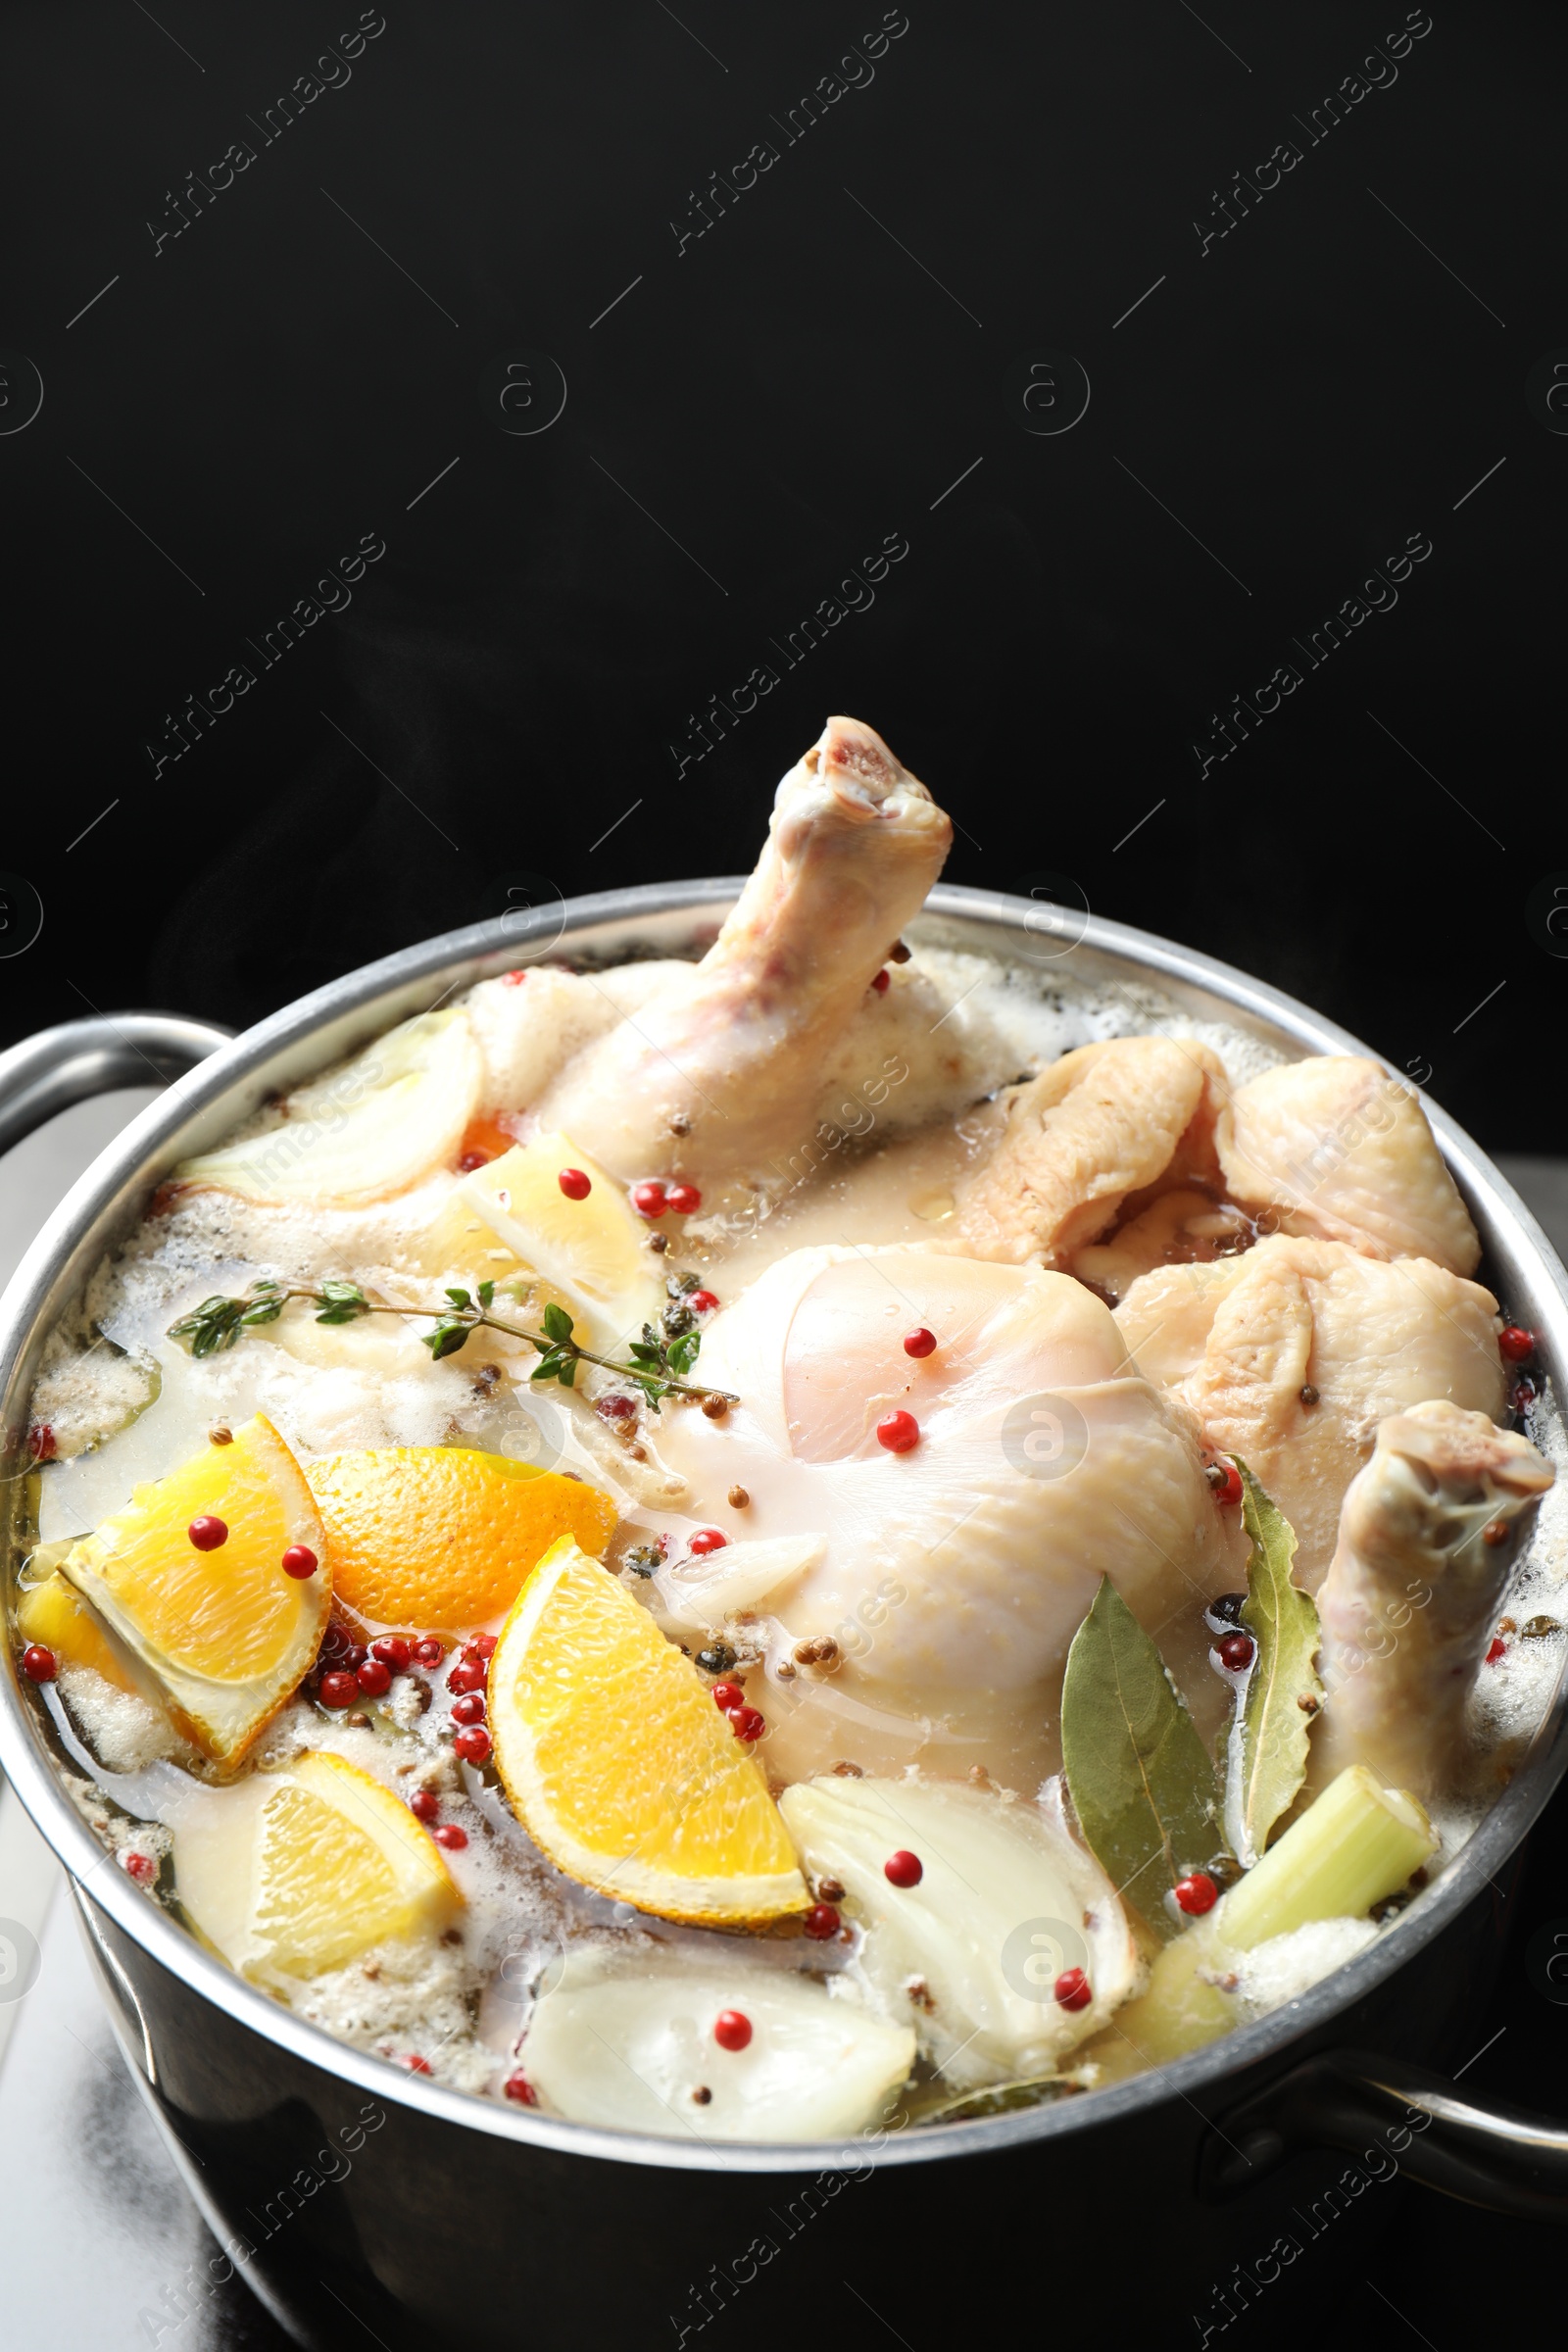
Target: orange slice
(225, 1634)
(618, 1764)
(444, 1534)
(303, 1870)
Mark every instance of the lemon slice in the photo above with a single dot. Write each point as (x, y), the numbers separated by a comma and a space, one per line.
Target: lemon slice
(225, 1633)
(303, 1870)
(618, 1764)
(444, 1534)
(595, 1250)
(372, 1129)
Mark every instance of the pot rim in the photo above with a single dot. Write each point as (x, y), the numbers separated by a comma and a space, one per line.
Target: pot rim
(332, 1020)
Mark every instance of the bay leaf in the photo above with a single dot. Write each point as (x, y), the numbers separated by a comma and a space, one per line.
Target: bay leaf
(1142, 1783)
(1266, 1752)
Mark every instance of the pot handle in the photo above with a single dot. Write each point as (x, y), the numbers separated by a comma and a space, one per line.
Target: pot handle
(1502, 2158)
(56, 1067)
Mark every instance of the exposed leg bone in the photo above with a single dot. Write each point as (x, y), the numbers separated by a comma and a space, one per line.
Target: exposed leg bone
(717, 1078)
(1428, 1534)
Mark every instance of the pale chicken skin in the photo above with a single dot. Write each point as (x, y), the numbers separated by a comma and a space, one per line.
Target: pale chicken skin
(1428, 1535)
(1243, 1338)
(1101, 1123)
(952, 1577)
(717, 1076)
(1342, 1152)
(1185, 1227)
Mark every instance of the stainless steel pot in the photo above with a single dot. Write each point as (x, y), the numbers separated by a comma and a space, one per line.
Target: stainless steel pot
(355, 2199)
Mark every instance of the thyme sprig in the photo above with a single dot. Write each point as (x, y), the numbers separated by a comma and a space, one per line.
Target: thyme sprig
(659, 1366)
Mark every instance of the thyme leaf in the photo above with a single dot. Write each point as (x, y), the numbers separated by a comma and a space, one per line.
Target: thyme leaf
(659, 1364)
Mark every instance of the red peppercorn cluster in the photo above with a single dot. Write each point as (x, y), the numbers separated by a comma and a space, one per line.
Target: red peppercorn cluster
(745, 1721)
(350, 1672)
(468, 1680)
(654, 1198)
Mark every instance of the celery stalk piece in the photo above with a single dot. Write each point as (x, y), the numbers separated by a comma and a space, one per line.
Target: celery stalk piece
(1355, 1844)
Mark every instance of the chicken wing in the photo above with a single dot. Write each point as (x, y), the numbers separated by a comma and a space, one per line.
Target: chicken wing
(1292, 1354)
(1344, 1153)
(1100, 1124)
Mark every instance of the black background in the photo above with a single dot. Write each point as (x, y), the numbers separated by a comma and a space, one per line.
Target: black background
(795, 384)
(741, 428)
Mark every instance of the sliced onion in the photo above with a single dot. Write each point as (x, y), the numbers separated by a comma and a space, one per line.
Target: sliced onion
(704, 1590)
(631, 2052)
(368, 1131)
(1007, 1901)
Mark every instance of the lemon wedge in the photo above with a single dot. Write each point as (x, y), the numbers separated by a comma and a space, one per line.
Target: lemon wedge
(225, 1633)
(594, 1250)
(303, 1870)
(618, 1764)
(444, 1534)
(369, 1130)
(55, 1614)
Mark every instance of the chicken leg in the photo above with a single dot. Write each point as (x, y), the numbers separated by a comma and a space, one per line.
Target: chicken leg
(1428, 1534)
(718, 1077)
